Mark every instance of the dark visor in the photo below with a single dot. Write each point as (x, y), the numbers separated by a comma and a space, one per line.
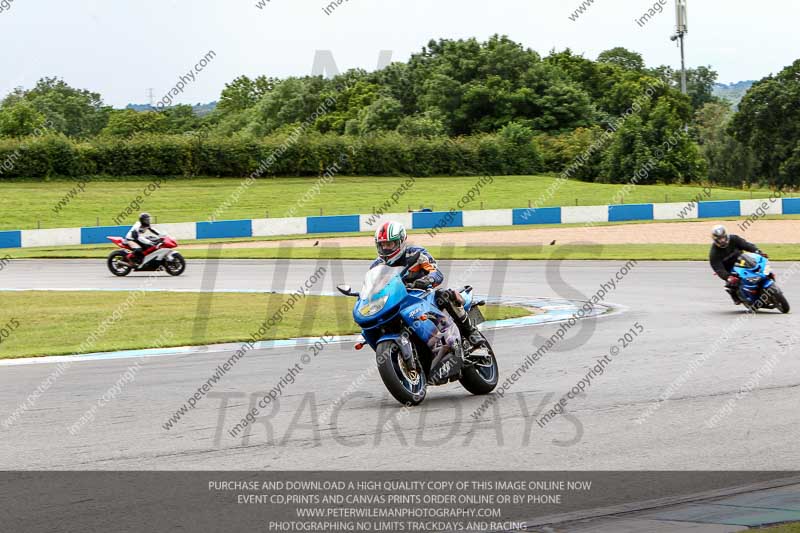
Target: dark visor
(387, 247)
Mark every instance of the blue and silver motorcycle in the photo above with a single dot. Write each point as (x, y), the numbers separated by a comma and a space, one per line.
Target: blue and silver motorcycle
(416, 341)
(757, 288)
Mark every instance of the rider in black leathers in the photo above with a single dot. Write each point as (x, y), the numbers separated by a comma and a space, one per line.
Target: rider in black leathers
(723, 255)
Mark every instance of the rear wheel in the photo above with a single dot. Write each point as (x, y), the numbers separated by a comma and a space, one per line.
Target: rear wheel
(175, 264)
(407, 385)
(480, 373)
(118, 263)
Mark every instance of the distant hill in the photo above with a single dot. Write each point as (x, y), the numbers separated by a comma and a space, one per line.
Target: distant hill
(199, 109)
(733, 92)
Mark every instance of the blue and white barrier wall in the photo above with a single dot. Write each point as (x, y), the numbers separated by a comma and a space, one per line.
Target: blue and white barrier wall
(273, 227)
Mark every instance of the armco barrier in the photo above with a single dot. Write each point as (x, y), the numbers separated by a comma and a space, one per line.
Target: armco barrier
(543, 215)
(437, 219)
(725, 208)
(224, 229)
(10, 239)
(791, 206)
(98, 234)
(333, 224)
(274, 227)
(622, 213)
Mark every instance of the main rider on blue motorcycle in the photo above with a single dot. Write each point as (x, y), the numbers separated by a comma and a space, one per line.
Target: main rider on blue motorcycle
(393, 250)
(723, 255)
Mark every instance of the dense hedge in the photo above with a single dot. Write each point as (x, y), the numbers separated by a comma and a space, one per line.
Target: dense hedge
(308, 155)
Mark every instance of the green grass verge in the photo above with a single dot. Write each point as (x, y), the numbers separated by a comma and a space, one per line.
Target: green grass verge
(30, 204)
(783, 528)
(54, 323)
(640, 252)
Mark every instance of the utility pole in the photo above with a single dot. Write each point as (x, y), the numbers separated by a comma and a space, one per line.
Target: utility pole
(681, 29)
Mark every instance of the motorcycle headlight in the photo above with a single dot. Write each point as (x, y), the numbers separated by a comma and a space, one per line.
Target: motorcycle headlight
(753, 280)
(373, 307)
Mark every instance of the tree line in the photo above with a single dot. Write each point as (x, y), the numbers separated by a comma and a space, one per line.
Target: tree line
(498, 101)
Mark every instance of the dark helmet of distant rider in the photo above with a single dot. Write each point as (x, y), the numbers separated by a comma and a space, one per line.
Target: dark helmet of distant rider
(720, 236)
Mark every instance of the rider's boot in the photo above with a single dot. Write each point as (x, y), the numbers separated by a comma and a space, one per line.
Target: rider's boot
(465, 326)
(734, 295)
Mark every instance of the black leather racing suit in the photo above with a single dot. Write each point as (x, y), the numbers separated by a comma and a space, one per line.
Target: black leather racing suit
(723, 259)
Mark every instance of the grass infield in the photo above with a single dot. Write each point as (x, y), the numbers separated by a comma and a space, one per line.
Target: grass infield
(32, 204)
(38, 323)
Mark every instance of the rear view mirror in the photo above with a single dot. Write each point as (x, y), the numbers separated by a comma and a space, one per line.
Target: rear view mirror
(347, 290)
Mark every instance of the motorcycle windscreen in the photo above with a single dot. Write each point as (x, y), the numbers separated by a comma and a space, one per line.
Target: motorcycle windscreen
(377, 279)
(748, 261)
(382, 289)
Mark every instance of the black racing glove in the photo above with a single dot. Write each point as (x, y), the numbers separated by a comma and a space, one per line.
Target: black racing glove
(422, 283)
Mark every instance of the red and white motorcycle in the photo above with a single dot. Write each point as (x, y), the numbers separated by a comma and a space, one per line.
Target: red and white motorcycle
(160, 255)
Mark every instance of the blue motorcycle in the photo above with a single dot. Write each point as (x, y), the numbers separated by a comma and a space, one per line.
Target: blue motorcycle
(416, 341)
(757, 288)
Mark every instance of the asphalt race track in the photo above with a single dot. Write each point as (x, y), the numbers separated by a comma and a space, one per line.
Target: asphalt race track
(680, 306)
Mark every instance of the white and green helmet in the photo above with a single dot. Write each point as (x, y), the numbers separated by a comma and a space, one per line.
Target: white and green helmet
(390, 240)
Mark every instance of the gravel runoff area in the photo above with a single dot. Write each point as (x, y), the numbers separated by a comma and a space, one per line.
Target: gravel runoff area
(761, 231)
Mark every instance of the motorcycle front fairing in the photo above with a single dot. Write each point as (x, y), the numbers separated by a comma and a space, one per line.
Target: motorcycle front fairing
(385, 308)
(437, 330)
(754, 275)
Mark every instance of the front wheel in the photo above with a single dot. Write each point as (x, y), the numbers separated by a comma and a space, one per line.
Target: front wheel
(118, 263)
(407, 385)
(480, 373)
(778, 299)
(175, 264)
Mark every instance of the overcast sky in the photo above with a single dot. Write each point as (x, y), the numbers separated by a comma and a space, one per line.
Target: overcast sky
(121, 48)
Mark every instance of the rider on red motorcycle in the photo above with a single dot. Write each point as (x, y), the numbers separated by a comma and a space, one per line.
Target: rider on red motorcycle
(139, 240)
